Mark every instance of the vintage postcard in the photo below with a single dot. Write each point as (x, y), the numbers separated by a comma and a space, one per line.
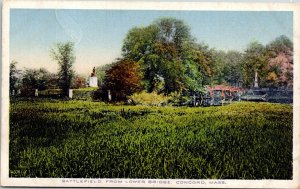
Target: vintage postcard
(150, 94)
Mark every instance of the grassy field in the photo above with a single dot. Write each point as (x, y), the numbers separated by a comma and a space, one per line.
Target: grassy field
(84, 139)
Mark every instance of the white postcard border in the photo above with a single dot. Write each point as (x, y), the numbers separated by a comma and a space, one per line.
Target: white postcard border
(135, 5)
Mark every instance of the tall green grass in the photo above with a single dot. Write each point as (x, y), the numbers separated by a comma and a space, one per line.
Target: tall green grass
(94, 140)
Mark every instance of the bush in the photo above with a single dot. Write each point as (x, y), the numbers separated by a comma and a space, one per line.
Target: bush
(50, 93)
(178, 99)
(27, 92)
(84, 93)
(149, 99)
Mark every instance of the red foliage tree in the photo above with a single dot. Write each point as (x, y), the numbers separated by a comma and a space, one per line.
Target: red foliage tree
(280, 64)
(123, 79)
(79, 82)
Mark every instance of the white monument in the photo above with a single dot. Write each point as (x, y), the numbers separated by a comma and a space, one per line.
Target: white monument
(109, 95)
(93, 82)
(255, 80)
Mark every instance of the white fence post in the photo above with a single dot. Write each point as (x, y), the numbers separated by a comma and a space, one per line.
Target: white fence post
(109, 95)
(36, 92)
(70, 93)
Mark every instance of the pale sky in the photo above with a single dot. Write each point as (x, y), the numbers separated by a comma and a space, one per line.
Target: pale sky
(99, 34)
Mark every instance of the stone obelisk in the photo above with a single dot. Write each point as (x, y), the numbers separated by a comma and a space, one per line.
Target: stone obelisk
(255, 80)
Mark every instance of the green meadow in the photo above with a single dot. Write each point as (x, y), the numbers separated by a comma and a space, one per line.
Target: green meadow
(84, 139)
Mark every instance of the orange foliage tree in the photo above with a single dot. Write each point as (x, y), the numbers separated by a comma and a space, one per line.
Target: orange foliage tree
(123, 79)
(79, 82)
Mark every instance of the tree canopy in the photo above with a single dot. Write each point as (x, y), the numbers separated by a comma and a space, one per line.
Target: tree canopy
(165, 49)
(123, 79)
(63, 53)
(164, 57)
(280, 62)
(273, 63)
(35, 79)
(171, 60)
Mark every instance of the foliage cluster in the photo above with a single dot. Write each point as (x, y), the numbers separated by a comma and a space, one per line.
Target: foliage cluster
(273, 63)
(123, 79)
(171, 61)
(149, 99)
(168, 56)
(81, 139)
(50, 93)
(63, 53)
(165, 58)
(84, 93)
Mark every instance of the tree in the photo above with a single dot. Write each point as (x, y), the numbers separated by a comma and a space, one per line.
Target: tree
(79, 82)
(280, 44)
(165, 49)
(254, 60)
(205, 59)
(232, 70)
(140, 45)
(100, 72)
(123, 79)
(217, 67)
(280, 62)
(63, 53)
(53, 80)
(35, 79)
(273, 63)
(139, 42)
(14, 75)
(281, 69)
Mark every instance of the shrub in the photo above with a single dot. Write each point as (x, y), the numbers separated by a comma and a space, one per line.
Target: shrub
(149, 99)
(177, 99)
(84, 93)
(50, 92)
(27, 92)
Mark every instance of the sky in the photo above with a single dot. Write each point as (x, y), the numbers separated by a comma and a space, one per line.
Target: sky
(98, 34)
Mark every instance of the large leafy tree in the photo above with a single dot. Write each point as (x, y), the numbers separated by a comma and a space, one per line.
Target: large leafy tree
(217, 67)
(63, 53)
(273, 63)
(35, 79)
(254, 60)
(100, 72)
(233, 68)
(123, 79)
(206, 63)
(165, 49)
(139, 43)
(280, 62)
